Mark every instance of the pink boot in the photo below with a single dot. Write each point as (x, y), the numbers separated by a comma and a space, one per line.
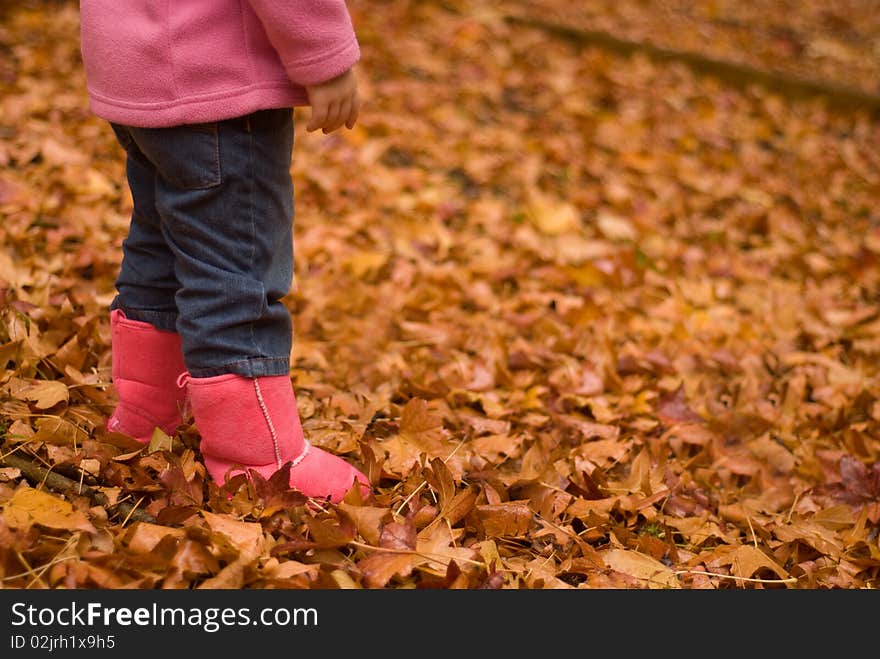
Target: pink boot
(253, 423)
(145, 365)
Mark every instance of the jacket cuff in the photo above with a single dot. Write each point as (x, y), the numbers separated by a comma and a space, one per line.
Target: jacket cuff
(324, 66)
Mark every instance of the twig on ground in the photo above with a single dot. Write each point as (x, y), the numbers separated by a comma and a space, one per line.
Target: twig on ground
(38, 475)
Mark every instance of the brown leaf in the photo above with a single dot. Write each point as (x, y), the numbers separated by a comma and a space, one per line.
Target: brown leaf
(182, 491)
(230, 577)
(397, 535)
(860, 482)
(142, 537)
(672, 407)
(824, 540)
(421, 426)
(368, 520)
(44, 394)
(275, 493)
(247, 537)
(30, 506)
(747, 560)
(436, 547)
(56, 153)
(290, 569)
(10, 191)
(327, 532)
(615, 227)
(59, 431)
(459, 507)
(440, 478)
(591, 487)
(193, 559)
(378, 569)
(553, 217)
(159, 441)
(344, 580)
(8, 351)
(649, 571)
(509, 519)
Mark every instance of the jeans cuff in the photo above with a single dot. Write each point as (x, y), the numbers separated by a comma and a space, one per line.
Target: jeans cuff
(163, 320)
(255, 367)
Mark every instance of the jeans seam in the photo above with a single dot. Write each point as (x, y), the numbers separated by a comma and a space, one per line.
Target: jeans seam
(251, 194)
(216, 132)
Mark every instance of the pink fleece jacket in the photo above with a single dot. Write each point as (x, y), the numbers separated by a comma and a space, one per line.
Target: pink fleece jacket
(155, 63)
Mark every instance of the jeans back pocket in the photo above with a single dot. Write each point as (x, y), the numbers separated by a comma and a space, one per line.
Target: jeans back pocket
(186, 157)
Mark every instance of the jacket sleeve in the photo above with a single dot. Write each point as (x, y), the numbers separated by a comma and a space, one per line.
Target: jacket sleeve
(315, 39)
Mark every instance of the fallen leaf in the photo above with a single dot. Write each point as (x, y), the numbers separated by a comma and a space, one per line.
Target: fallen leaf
(368, 520)
(30, 506)
(247, 537)
(143, 537)
(747, 560)
(553, 217)
(44, 393)
(379, 568)
(508, 519)
(649, 571)
(615, 227)
(420, 426)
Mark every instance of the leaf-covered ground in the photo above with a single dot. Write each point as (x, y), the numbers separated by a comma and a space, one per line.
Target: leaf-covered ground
(833, 42)
(587, 322)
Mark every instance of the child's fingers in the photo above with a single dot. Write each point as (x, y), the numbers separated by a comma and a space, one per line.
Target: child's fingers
(329, 113)
(341, 114)
(353, 112)
(331, 122)
(317, 117)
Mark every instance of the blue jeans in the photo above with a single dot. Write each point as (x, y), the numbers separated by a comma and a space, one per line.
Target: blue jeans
(209, 253)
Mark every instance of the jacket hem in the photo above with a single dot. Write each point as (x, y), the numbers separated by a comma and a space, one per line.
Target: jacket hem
(215, 107)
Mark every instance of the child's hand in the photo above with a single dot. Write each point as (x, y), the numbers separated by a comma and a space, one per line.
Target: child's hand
(334, 103)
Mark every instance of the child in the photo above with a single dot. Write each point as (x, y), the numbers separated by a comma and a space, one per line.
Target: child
(200, 94)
